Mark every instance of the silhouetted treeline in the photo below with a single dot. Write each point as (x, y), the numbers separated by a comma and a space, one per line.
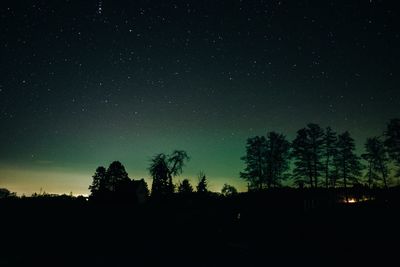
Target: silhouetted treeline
(321, 158)
(330, 217)
(114, 184)
(316, 158)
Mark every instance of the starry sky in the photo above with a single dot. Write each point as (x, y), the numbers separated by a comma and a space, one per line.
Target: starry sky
(83, 83)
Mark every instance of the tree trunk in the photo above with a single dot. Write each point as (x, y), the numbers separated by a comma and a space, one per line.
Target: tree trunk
(345, 189)
(170, 185)
(345, 181)
(315, 175)
(385, 180)
(310, 173)
(315, 167)
(327, 171)
(384, 176)
(369, 175)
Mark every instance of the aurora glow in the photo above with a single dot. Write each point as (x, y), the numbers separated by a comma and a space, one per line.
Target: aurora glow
(80, 88)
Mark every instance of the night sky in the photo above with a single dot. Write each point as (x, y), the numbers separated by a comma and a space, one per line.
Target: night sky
(83, 83)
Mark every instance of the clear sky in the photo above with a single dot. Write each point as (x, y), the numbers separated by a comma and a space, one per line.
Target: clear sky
(84, 83)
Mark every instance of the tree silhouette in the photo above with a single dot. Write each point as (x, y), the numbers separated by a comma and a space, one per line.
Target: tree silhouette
(277, 155)
(115, 184)
(159, 171)
(228, 190)
(329, 150)
(185, 187)
(307, 151)
(316, 137)
(301, 152)
(202, 184)
(349, 163)
(371, 174)
(267, 160)
(377, 159)
(117, 176)
(99, 183)
(176, 161)
(334, 174)
(255, 160)
(392, 141)
(5, 193)
(141, 189)
(163, 168)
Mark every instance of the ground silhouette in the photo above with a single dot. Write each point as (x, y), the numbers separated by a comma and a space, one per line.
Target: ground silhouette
(282, 227)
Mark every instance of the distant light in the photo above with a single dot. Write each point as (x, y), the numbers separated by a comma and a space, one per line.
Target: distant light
(352, 200)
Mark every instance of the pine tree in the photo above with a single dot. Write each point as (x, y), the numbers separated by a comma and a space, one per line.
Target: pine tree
(267, 160)
(329, 150)
(99, 181)
(371, 174)
(113, 182)
(185, 187)
(377, 159)
(116, 176)
(316, 136)
(308, 151)
(255, 160)
(301, 152)
(392, 142)
(202, 184)
(277, 158)
(349, 163)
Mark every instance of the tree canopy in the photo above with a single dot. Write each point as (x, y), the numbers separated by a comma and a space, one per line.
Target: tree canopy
(185, 187)
(308, 150)
(163, 168)
(377, 159)
(392, 142)
(267, 160)
(202, 186)
(228, 190)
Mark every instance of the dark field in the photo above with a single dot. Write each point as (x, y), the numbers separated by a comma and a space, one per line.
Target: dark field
(245, 230)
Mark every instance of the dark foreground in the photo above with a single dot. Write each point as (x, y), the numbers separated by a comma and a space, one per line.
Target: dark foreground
(250, 230)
